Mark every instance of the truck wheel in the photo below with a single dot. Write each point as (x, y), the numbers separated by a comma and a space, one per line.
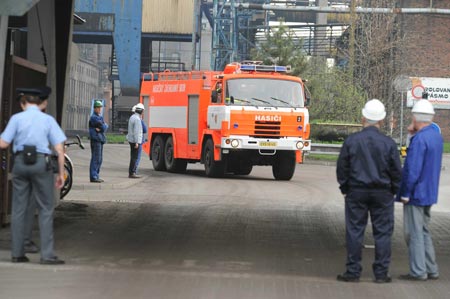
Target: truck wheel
(213, 169)
(284, 166)
(172, 164)
(158, 154)
(244, 169)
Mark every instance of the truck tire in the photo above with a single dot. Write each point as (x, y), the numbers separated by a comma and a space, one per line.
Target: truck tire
(244, 169)
(213, 169)
(158, 154)
(172, 164)
(284, 166)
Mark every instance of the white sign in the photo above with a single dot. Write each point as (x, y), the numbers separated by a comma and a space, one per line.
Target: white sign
(438, 90)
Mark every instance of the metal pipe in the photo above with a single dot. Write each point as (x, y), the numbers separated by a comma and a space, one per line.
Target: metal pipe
(359, 10)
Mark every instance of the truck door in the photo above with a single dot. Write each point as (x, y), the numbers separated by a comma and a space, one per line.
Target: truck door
(193, 127)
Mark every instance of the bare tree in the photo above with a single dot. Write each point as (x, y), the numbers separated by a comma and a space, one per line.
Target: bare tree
(378, 42)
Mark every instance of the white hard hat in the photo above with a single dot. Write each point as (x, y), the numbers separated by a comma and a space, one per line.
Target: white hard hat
(133, 109)
(140, 106)
(374, 110)
(424, 107)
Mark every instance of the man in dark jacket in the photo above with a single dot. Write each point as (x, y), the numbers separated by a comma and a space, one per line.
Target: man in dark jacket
(419, 191)
(97, 129)
(369, 172)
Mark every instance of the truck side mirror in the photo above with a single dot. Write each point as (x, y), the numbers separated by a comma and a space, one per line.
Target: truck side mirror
(307, 96)
(214, 96)
(307, 100)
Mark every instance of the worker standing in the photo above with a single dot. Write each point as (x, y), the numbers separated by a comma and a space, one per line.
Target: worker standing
(135, 138)
(31, 133)
(97, 130)
(419, 191)
(368, 172)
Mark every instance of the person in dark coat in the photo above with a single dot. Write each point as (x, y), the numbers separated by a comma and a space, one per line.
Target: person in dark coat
(97, 130)
(369, 172)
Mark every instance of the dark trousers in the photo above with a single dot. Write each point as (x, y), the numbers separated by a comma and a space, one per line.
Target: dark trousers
(138, 159)
(96, 159)
(133, 158)
(358, 205)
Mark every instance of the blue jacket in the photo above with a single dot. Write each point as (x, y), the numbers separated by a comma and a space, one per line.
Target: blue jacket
(97, 121)
(422, 169)
(144, 127)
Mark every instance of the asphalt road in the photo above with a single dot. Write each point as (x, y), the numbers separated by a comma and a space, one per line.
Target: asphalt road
(188, 236)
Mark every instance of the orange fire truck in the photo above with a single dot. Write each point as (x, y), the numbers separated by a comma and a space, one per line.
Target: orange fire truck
(249, 114)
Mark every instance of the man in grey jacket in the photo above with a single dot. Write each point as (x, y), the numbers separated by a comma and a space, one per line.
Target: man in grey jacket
(134, 137)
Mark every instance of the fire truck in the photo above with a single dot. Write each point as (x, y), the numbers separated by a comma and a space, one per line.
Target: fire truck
(249, 114)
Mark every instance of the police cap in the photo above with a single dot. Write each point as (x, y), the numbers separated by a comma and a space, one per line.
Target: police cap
(41, 92)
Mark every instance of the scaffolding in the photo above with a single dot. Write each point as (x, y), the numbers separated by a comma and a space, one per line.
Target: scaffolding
(238, 26)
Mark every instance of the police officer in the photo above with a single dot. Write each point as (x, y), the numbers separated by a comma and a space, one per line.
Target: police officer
(368, 172)
(31, 133)
(97, 130)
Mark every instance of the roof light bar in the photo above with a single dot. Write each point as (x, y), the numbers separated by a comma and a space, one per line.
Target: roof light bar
(265, 68)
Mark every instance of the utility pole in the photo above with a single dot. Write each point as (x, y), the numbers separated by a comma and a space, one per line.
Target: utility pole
(351, 42)
(196, 21)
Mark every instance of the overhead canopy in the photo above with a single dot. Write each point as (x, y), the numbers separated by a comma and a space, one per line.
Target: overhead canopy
(16, 7)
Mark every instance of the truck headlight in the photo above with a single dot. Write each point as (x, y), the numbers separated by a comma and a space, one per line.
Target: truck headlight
(299, 144)
(234, 143)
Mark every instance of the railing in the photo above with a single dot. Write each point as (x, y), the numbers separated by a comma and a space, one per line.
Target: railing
(325, 149)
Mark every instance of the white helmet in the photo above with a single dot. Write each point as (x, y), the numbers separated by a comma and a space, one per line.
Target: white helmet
(139, 106)
(133, 109)
(424, 107)
(374, 110)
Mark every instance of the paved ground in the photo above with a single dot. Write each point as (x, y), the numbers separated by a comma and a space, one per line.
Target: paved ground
(188, 236)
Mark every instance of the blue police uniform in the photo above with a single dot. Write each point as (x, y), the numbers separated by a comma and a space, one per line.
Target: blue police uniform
(32, 181)
(369, 171)
(98, 138)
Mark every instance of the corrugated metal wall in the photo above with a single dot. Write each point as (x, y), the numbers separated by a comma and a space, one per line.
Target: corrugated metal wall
(168, 16)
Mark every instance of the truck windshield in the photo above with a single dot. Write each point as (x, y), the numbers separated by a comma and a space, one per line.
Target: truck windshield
(264, 92)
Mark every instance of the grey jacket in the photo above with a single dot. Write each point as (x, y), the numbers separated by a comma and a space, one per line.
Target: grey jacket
(135, 134)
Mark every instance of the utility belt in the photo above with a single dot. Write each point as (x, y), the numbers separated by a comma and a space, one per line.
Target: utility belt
(37, 154)
(30, 156)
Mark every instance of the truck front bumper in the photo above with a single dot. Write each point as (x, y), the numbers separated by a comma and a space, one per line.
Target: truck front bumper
(236, 142)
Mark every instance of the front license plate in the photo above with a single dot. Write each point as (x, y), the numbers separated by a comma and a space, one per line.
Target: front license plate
(267, 143)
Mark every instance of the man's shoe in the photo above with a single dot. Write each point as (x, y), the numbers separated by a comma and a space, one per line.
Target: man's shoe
(347, 278)
(411, 277)
(20, 259)
(97, 181)
(52, 261)
(433, 276)
(386, 279)
(31, 247)
(133, 176)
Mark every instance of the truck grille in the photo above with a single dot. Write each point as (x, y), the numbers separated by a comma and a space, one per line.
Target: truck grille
(267, 129)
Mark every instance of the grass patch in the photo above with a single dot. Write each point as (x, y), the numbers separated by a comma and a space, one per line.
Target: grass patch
(115, 138)
(446, 147)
